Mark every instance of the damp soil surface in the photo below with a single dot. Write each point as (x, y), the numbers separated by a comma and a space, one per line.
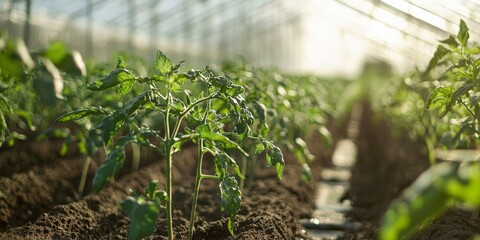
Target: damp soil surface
(39, 199)
(389, 161)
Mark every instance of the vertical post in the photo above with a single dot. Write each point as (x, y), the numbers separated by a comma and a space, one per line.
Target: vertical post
(222, 50)
(132, 11)
(154, 24)
(89, 30)
(187, 29)
(26, 29)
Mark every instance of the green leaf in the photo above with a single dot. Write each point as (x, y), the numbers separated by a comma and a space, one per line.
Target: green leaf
(231, 199)
(441, 98)
(423, 200)
(108, 169)
(465, 188)
(79, 114)
(5, 105)
(110, 126)
(14, 58)
(163, 64)
(126, 87)
(3, 128)
(306, 173)
(139, 101)
(259, 148)
(49, 84)
(234, 90)
(111, 165)
(70, 62)
(121, 63)
(463, 34)
(207, 134)
(143, 217)
(437, 56)
(275, 158)
(222, 162)
(117, 76)
(451, 41)
(56, 52)
(301, 145)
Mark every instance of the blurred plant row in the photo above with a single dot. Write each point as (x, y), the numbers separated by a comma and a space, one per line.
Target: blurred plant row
(438, 105)
(104, 110)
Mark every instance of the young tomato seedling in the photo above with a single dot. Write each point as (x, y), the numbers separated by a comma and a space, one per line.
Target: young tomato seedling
(197, 106)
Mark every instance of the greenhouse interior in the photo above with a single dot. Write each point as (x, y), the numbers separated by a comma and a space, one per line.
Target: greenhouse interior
(229, 119)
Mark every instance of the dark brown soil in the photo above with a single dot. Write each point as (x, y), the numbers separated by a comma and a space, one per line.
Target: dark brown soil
(386, 165)
(38, 202)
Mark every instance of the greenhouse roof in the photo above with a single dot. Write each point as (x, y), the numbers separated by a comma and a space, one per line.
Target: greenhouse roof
(330, 36)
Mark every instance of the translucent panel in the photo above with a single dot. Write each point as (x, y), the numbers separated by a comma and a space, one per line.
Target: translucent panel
(303, 35)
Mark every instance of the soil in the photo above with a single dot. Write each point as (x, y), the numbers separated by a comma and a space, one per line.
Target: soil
(386, 165)
(38, 198)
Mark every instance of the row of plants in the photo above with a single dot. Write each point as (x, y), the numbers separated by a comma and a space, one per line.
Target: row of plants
(440, 106)
(233, 115)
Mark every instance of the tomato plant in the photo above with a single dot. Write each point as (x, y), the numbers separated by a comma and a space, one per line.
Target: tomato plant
(454, 96)
(26, 76)
(173, 108)
(291, 102)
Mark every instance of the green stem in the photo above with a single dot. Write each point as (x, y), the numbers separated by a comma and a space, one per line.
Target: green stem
(135, 157)
(198, 179)
(86, 164)
(184, 113)
(168, 167)
(251, 171)
(168, 209)
(243, 169)
(431, 152)
(211, 177)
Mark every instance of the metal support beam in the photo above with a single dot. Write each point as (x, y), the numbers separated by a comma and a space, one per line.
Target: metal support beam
(26, 29)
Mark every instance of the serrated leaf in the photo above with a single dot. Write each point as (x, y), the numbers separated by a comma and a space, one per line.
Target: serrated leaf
(207, 134)
(463, 34)
(163, 64)
(79, 114)
(275, 158)
(259, 148)
(121, 63)
(117, 76)
(5, 105)
(112, 164)
(437, 56)
(108, 169)
(126, 87)
(231, 199)
(143, 217)
(439, 98)
(110, 126)
(222, 162)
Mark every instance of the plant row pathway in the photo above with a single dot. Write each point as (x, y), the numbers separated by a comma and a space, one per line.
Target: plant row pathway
(328, 219)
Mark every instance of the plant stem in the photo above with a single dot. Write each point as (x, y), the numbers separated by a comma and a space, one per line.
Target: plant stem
(243, 170)
(168, 167)
(135, 157)
(168, 209)
(198, 178)
(86, 164)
